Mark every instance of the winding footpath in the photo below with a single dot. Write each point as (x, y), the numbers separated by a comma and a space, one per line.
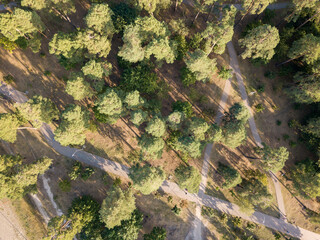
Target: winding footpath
(168, 187)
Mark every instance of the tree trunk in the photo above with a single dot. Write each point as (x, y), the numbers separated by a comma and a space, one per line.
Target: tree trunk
(210, 12)
(21, 128)
(289, 60)
(250, 7)
(309, 19)
(176, 6)
(195, 18)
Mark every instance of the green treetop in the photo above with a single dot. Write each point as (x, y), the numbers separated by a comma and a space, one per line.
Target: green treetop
(189, 146)
(96, 70)
(77, 86)
(117, 206)
(133, 100)
(218, 35)
(306, 178)
(109, 103)
(17, 179)
(38, 110)
(146, 37)
(307, 89)
(20, 23)
(188, 177)
(239, 112)
(99, 19)
(9, 124)
(175, 120)
(61, 7)
(202, 66)
(151, 5)
(152, 146)
(138, 117)
(95, 43)
(299, 6)
(307, 47)
(157, 233)
(260, 42)
(74, 123)
(202, 6)
(255, 6)
(156, 127)
(147, 179)
(273, 159)
(214, 133)
(198, 127)
(231, 176)
(313, 127)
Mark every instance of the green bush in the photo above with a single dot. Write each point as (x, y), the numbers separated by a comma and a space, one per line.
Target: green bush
(65, 185)
(225, 73)
(195, 41)
(182, 47)
(6, 44)
(176, 210)
(187, 77)
(184, 107)
(76, 171)
(8, 79)
(47, 73)
(259, 108)
(278, 122)
(285, 137)
(22, 42)
(261, 88)
(86, 173)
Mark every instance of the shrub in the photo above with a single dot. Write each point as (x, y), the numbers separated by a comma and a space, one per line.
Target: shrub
(259, 108)
(292, 144)
(182, 47)
(176, 210)
(187, 77)
(8, 79)
(278, 122)
(87, 172)
(184, 107)
(285, 137)
(65, 185)
(261, 88)
(225, 73)
(270, 74)
(231, 176)
(6, 44)
(47, 73)
(76, 171)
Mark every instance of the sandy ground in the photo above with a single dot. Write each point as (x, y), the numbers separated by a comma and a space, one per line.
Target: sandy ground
(10, 227)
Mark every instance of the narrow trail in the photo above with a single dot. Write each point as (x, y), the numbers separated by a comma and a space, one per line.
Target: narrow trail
(235, 66)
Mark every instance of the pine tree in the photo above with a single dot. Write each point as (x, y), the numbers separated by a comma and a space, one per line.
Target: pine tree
(157, 233)
(190, 146)
(231, 176)
(99, 19)
(254, 6)
(147, 179)
(260, 42)
(117, 206)
(17, 179)
(146, 37)
(218, 35)
(133, 100)
(299, 6)
(307, 89)
(273, 159)
(156, 127)
(95, 43)
(197, 128)
(307, 47)
(313, 127)
(9, 124)
(202, 6)
(202, 66)
(77, 87)
(138, 117)
(152, 5)
(152, 146)
(74, 123)
(20, 23)
(188, 178)
(38, 110)
(109, 103)
(175, 120)
(96, 70)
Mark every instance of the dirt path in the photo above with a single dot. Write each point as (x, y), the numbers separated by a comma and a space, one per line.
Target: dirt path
(235, 66)
(10, 227)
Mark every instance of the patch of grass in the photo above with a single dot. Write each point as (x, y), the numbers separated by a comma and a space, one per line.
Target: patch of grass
(259, 108)
(47, 73)
(285, 137)
(8, 79)
(292, 144)
(28, 217)
(65, 185)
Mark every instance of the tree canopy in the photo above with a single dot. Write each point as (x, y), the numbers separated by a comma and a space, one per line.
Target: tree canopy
(146, 37)
(156, 127)
(117, 206)
(231, 176)
(109, 103)
(157, 233)
(255, 6)
(273, 159)
(198, 127)
(137, 117)
(133, 100)
(175, 120)
(147, 179)
(38, 110)
(152, 146)
(260, 42)
(9, 124)
(152, 5)
(77, 87)
(96, 70)
(74, 123)
(188, 177)
(16, 178)
(202, 66)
